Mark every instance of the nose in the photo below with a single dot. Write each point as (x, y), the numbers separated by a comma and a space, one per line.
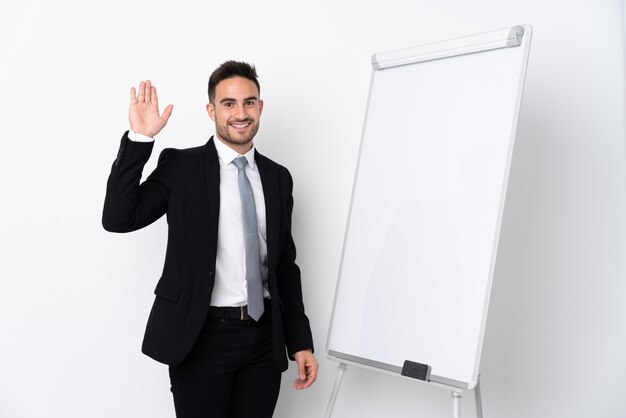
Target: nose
(240, 112)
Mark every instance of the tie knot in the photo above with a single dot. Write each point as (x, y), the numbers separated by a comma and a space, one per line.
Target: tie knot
(240, 162)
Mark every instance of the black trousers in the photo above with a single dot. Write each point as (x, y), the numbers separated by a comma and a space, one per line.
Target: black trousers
(230, 372)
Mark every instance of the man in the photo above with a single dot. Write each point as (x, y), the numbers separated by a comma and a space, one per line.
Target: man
(228, 309)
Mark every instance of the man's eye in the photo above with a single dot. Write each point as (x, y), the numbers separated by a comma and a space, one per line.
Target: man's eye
(228, 104)
(249, 103)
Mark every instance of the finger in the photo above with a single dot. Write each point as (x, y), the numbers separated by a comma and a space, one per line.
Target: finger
(142, 92)
(307, 384)
(167, 112)
(148, 91)
(154, 98)
(133, 96)
(311, 375)
(303, 384)
(301, 370)
(299, 384)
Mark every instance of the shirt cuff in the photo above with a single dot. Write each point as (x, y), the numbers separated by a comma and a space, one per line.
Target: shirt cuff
(135, 137)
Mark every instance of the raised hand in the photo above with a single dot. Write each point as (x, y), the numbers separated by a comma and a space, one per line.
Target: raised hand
(144, 110)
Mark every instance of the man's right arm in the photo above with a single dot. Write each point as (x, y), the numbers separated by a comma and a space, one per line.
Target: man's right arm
(129, 205)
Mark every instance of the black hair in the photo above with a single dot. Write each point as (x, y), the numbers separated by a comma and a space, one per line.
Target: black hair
(230, 69)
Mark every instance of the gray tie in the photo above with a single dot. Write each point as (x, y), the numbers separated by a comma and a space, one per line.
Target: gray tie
(251, 240)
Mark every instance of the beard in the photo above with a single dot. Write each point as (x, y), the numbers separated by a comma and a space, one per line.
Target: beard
(229, 134)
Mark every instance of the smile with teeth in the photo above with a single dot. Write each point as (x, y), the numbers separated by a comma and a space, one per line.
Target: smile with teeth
(240, 125)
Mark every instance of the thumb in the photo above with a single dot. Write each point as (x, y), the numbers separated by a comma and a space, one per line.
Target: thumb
(167, 112)
(301, 371)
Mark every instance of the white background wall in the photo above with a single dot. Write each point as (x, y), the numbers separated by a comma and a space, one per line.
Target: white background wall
(75, 298)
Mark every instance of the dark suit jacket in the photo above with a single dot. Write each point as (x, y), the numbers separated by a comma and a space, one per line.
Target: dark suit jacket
(185, 187)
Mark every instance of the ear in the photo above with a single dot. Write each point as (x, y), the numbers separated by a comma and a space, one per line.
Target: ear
(260, 106)
(210, 109)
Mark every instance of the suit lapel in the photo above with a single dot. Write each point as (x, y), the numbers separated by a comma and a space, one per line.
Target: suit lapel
(272, 205)
(212, 176)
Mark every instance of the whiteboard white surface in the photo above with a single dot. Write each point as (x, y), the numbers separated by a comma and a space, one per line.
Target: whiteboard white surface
(423, 228)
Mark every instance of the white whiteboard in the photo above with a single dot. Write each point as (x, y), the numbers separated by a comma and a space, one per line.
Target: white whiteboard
(422, 233)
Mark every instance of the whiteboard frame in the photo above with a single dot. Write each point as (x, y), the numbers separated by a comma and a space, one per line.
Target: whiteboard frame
(514, 36)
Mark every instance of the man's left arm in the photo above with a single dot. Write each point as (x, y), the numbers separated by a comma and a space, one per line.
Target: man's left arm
(296, 325)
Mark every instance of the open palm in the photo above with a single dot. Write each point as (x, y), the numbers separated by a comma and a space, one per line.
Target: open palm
(144, 110)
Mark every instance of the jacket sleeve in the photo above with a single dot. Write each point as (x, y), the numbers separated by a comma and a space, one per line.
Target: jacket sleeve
(128, 205)
(295, 322)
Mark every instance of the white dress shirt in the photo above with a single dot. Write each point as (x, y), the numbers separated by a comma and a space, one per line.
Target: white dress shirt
(230, 264)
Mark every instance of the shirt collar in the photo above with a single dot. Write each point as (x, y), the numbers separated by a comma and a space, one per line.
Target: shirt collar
(226, 154)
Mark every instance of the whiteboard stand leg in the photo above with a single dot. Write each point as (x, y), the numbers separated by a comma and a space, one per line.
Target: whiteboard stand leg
(333, 396)
(456, 404)
(479, 400)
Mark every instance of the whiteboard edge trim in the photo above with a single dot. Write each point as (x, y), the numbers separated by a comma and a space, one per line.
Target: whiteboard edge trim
(392, 370)
(502, 38)
(505, 183)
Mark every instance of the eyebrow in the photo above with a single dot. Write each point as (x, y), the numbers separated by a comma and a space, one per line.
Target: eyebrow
(230, 99)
